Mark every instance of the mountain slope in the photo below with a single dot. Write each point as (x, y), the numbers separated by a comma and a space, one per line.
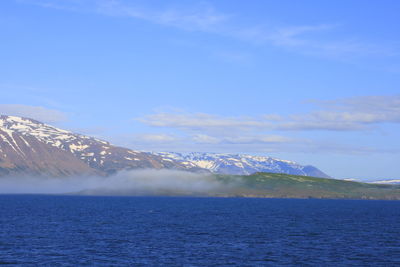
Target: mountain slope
(241, 164)
(24, 154)
(31, 147)
(279, 185)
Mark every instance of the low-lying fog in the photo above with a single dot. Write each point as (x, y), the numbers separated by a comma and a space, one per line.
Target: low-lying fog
(136, 182)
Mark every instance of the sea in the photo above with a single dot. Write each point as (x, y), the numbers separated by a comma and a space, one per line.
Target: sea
(47, 230)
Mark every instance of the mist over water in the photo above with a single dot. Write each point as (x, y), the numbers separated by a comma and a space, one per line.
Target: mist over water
(135, 182)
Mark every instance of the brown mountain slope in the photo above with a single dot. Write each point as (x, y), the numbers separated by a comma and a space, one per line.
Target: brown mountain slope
(25, 155)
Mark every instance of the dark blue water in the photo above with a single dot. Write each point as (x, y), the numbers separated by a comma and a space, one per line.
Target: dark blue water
(122, 231)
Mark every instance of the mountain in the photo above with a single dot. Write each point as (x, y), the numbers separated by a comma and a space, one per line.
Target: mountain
(30, 147)
(238, 164)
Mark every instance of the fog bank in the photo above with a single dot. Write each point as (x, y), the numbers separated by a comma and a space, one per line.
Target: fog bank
(135, 182)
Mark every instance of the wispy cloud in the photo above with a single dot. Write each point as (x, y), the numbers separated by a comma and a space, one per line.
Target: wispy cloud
(198, 17)
(33, 112)
(379, 108)
(203, 122)
(312, 40)
(259, 144)
(291, 36)
(41, 96)
(352, 114)
(285, 36)
(155, 138)
(274, 132)
(163, 141)
(70, 5)
(247, 139)
(203, 17)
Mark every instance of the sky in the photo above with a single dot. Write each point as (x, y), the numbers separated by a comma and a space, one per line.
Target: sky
(317, 82)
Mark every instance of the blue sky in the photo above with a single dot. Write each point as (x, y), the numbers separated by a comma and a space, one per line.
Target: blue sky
(311, 81)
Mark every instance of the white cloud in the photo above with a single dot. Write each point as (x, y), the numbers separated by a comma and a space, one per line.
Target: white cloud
(351, 114)
(157, 138)
(366, 109)
(258, 139)
(246, 139)
(256, 134)
(201, 121)
(205, 139)
(34, 112)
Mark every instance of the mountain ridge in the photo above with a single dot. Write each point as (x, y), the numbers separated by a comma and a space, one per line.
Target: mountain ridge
(30, 147)
(241, 164)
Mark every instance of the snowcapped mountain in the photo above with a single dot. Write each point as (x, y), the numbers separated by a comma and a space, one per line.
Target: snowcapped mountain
(241, 164)
(30, 147)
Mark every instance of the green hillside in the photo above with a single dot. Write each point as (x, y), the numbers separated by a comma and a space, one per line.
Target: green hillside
(276, 185)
